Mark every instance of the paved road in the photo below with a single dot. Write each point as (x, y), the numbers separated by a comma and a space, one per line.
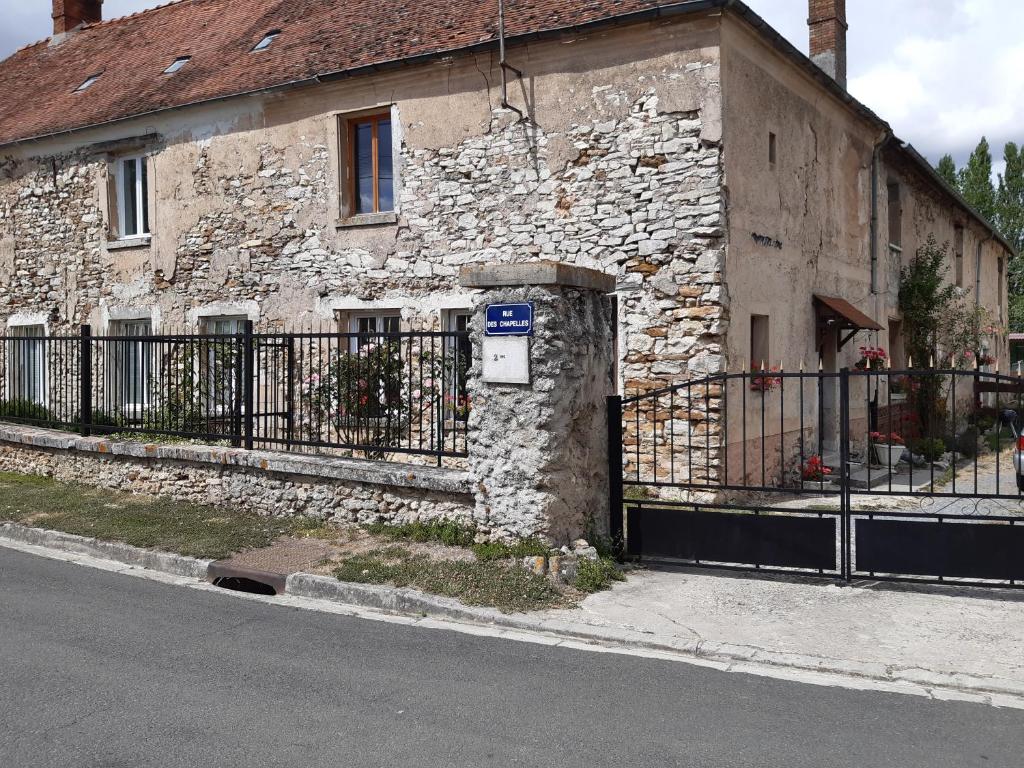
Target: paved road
(100, 669)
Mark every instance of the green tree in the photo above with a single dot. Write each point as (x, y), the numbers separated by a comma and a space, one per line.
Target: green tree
(925, 295)
(975, 181)
(925, 299)
(1010, 197)
(1002, 204)
(1010, 222)
(947, 170)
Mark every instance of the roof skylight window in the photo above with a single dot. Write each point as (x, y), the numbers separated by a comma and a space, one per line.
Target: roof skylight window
(263, 44)
(177, 64)
(88, 81)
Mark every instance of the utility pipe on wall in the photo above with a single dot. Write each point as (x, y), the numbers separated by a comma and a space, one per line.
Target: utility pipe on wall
(876, 154)
(503, 65)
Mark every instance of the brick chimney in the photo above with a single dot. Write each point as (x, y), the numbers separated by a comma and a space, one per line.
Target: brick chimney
(69, 14)
(827, 22)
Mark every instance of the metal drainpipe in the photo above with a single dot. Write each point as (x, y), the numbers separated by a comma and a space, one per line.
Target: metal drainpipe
(875, 155)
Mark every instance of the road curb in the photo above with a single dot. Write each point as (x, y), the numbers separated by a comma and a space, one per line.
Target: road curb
(411, 603)
(165, 562)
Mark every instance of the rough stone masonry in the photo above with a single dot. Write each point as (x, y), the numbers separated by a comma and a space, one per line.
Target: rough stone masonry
(637, 196)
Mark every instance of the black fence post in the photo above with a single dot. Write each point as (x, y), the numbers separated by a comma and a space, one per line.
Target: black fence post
(249, 374)
(85, 380)
(844, 472)
(616, 524)
(290, 389)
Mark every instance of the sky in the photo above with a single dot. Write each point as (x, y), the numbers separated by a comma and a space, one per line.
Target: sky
(941, 72)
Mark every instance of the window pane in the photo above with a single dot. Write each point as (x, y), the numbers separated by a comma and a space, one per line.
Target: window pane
(392, 323)
(26, 362)
(131, 221)
(363, 154)
(132, 362)
(385, 180)
(145, 195)
(225, 325)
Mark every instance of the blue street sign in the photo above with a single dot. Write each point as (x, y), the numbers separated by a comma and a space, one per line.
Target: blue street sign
(509, 320)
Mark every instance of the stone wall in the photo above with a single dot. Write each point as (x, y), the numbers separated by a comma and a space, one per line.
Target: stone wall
(617, 167)
(333, 490)
(538, 451)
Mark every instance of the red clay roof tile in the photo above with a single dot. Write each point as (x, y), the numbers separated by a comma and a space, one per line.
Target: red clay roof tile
(317, 37)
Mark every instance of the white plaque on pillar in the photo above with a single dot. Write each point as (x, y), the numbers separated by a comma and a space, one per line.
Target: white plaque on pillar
(506, 359)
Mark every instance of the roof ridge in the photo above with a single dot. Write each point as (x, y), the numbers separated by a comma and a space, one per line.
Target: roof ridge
(143, 12)
(104, 22)
(25, 47)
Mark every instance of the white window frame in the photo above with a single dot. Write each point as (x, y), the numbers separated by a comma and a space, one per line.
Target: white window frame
(139, 197)
(224, 397)
(35, 377)
(451, 324)
(177, 64)
(119, 369)
(381, 318)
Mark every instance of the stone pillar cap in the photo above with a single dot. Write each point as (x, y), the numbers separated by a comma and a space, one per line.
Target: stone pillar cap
(535, 273)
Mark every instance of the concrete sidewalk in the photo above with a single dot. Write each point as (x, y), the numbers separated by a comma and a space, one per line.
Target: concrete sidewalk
(970, 639)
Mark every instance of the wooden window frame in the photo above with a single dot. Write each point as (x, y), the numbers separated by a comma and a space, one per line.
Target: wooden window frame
(352, 163)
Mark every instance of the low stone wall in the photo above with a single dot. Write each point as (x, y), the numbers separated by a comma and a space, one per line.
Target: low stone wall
(268, 483)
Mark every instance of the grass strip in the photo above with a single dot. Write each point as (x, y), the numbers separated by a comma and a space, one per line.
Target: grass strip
(501, 584)
(141, 521)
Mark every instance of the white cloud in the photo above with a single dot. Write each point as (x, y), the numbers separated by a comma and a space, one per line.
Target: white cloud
(943, 73)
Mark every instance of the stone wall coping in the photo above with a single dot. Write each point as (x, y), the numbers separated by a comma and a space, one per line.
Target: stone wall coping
(535, 273)
(384, 473)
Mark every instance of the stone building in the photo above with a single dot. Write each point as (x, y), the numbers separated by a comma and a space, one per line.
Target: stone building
(306, 163)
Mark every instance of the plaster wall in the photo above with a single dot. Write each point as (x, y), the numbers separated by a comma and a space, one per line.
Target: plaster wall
(799, 224)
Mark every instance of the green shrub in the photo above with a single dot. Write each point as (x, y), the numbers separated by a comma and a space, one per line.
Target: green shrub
(104, 419)
(595, 575)
(967, 442)
(931, 448)
(20, 408)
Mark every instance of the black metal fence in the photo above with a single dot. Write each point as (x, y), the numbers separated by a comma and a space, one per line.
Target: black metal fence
(377, 395)
(927, 432)
(875, 473)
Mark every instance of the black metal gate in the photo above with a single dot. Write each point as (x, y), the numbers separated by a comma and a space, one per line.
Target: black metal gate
(873, 474)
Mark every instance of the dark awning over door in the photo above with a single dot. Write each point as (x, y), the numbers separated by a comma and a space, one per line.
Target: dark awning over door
(847, 316)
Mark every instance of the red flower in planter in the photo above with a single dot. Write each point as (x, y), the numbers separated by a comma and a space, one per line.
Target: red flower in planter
(762, 381)
(814, 470)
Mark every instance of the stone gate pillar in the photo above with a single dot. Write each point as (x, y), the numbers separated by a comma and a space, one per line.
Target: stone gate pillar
(537, 449)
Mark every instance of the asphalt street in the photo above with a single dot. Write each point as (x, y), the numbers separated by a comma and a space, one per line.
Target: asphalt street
(103, 669)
